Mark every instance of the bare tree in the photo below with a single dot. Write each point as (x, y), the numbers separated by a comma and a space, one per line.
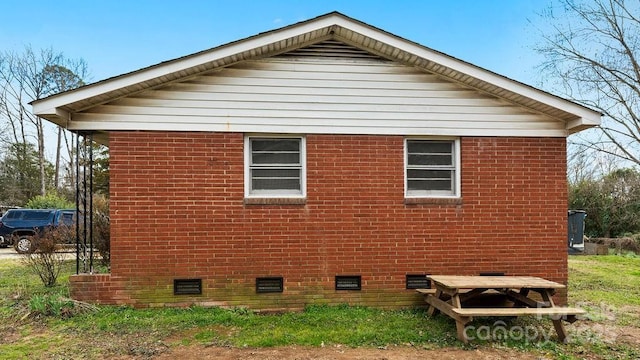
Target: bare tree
(59, 79)
(28, 76)
(592, 55)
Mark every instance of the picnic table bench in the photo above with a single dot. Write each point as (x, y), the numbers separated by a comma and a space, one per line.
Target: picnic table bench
(450, 292)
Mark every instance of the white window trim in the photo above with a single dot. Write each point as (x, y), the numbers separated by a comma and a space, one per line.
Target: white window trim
(275, 194)
(456, 157)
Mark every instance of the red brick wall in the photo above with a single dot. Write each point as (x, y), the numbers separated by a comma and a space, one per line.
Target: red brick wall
(177, 211)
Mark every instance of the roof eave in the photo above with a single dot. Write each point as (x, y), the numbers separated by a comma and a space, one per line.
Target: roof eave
(576, 116)
(584, 123)
(56, 115)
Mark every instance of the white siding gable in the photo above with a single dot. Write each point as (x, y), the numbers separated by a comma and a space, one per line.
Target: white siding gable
(327, 74)
(319, 94)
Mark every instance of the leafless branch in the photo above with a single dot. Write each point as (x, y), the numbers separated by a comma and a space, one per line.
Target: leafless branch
(592, 56)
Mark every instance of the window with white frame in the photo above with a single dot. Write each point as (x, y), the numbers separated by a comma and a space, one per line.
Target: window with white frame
(432, 168)
(274, 166)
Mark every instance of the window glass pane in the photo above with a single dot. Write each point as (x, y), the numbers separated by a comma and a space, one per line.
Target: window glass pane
(275, 179)
(430, 180)
(67, 219)
(275, 184)
(36, 215)
(429, 185)
(429, 174)
(431, 159)
(275, 145)
(429, 153)
(275, 158)
(275, 173)
(13, 214)
(429, 147)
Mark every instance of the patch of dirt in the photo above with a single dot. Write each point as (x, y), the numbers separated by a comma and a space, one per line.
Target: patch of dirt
(339, 353)
(629, 335)
(9, 334)
(606, 329)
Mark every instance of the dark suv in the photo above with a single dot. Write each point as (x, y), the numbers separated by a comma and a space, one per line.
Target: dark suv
(18, 225)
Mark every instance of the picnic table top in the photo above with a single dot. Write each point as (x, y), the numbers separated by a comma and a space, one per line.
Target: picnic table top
(494, 282)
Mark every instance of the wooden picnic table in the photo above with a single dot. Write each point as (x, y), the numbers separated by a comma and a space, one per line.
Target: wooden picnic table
(453, 291)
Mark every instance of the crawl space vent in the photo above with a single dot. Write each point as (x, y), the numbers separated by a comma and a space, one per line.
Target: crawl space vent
(418, 282)
(269, 285)
(349, 282)
(187, 286)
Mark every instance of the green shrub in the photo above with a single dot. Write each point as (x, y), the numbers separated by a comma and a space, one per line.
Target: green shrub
(612, 203)
(51, 305)
(49, 201)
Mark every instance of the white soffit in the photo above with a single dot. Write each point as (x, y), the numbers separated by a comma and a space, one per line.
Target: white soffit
(333, 26)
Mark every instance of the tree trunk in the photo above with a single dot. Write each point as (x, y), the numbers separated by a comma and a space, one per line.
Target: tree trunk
(71, 152)
(56, 180)
(41, 157)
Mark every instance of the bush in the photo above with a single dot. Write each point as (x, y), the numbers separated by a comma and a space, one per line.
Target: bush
(621, 245)
(101, 225)
(44, 259)
(51, 305)
(612, 203)
(49, 201)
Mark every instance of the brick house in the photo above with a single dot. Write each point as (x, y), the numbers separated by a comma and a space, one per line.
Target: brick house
(324, 162)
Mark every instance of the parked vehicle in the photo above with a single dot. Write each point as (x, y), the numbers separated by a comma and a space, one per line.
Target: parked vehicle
(17, 226)
(4, 208)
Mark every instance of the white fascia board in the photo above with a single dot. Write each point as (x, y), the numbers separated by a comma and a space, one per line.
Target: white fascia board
(45, 112)
(582, 122)
(43, 105)
(43, 108)
(55, 115)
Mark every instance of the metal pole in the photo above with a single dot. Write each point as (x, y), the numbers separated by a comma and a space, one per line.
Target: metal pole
(91, 203)
(84, 202)
(78, 203)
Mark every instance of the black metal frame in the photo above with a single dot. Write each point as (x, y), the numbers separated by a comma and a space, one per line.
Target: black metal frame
(187, 286)
(271, 284)
(348, 282)
(84, 203)
(417, 281)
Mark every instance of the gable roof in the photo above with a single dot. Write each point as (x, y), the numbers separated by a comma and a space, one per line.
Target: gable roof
(60, 108)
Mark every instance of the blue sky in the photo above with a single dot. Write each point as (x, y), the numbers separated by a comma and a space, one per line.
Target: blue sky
(116, 37)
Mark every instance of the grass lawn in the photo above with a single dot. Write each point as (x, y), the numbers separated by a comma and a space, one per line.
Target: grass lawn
(608, 286)
(38, 322)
